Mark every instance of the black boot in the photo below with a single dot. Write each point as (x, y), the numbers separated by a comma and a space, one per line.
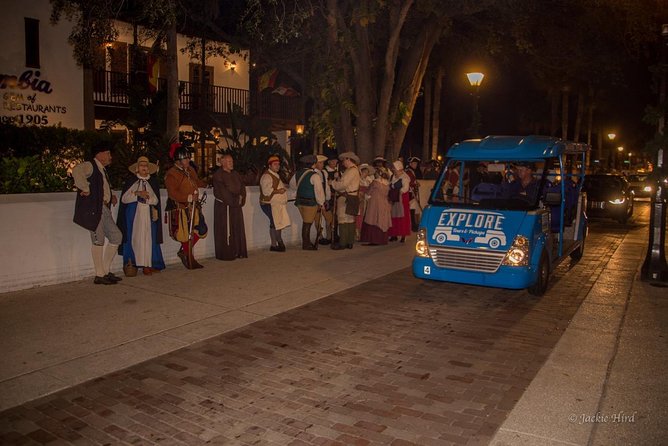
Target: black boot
(306, 237)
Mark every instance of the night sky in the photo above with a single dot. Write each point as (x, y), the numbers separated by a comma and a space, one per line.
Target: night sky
(506, 95)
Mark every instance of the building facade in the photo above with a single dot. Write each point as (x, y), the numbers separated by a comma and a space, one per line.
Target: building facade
(41, 83)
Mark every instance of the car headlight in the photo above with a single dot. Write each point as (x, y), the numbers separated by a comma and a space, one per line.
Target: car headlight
(421, 246)
(647, 189)
(518, 254)
(618, 201)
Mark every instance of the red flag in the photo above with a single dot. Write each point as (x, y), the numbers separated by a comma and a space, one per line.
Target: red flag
(268, 79)
(284, 90)
(153, 70)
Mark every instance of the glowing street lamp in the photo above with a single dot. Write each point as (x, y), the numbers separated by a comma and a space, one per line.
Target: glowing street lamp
(475, 79)
(620, 157)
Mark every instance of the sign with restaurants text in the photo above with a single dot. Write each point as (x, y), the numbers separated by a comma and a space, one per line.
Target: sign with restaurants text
(29, 99)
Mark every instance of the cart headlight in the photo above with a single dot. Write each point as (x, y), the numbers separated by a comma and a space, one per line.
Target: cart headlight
(518, 254)
(421, 247)
(618, 201)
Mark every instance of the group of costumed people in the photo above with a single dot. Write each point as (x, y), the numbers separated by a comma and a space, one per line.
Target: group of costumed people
(348, 201)
(345, 202)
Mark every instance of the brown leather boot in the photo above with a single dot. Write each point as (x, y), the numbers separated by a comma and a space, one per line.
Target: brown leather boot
(194, 263)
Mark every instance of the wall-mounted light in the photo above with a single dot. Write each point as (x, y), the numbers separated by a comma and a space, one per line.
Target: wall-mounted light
(299, 129)
(216, 133)
(232, 65)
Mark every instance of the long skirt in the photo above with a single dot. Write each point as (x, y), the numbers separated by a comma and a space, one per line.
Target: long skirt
(401, 226)
(373, 234)
(153, 253)
(229, 232)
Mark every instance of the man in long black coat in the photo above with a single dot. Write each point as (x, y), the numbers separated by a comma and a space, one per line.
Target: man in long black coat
(229, 230)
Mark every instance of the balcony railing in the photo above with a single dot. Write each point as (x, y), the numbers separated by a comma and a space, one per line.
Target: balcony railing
(113, 89)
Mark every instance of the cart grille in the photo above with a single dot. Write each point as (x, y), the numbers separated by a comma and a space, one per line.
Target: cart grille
(477, 260)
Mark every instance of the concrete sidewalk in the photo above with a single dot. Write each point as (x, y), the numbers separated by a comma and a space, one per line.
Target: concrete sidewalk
(61, 335)
(605, 382)
(602, 384)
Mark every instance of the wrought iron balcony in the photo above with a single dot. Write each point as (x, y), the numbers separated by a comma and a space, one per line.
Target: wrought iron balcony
(115, 90)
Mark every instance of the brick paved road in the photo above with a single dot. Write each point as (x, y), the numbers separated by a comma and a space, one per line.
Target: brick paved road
(396, 361)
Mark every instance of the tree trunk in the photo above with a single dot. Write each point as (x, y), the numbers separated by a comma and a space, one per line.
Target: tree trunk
(347, 130)
(409, 81)
(88, 102)
(203, 105)
(436, 113)
(172, 124)
(343, 131)
(427, 82)
(564, 112)
(387, 88)
(365, 93)
(554, 111)
(590, 123)
(599, 147)
(578, 116)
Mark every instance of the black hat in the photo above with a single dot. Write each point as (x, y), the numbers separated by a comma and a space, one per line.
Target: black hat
(308, 159)
(413, 159)
(528, 164)
(100, 146)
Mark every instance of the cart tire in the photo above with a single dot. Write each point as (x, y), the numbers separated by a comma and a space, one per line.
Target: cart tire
(577, 254)
(539, 288)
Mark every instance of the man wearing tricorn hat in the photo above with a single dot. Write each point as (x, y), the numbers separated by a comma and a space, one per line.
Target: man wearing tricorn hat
(347, 203)
(186, 221)
(92, 211)
(139, 219)
(310, 197)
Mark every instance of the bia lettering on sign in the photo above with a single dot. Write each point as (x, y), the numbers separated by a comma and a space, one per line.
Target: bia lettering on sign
(28, 79)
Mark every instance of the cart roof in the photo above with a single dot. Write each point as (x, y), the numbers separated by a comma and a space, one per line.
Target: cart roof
(514, 148)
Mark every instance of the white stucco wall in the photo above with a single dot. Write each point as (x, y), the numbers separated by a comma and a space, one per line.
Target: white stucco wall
(43, 246)
(64, 105)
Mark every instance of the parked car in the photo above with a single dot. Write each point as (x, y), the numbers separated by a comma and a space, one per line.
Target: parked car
(640, 185)
(609, 196)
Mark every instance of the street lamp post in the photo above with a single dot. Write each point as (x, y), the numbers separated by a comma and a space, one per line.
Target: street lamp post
(620, 158)
(475, 79)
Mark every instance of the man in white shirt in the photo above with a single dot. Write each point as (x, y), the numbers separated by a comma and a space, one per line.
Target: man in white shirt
(92, 211)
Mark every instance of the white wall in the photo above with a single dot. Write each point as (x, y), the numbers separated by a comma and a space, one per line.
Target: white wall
(42, 246)
(57, 67)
